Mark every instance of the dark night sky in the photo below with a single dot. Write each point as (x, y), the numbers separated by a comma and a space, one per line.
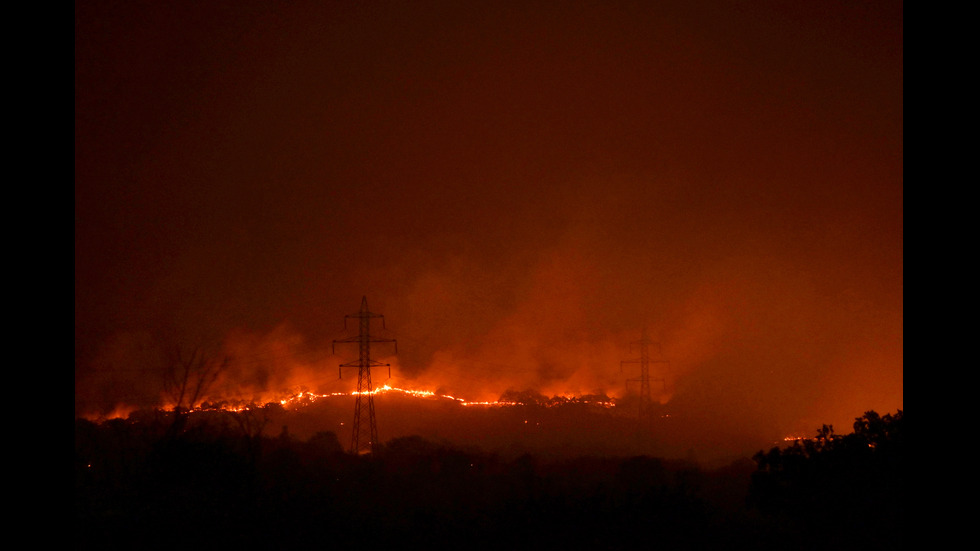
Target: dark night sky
(520, 187)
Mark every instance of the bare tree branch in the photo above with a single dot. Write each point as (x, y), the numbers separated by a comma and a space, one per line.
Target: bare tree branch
(188, 379)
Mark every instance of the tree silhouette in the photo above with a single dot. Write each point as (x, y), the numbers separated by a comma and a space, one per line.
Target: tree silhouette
(251, 420)
(850, 487)
(187, 380)
(525, 397)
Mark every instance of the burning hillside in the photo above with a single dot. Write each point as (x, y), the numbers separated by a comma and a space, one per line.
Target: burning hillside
(519, 422)
(512, 398)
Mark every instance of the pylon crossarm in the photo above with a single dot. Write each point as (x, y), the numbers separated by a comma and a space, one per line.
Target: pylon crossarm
(342, 341)
(362, 315)
(364, 363)
(358, 338)
(369, 363)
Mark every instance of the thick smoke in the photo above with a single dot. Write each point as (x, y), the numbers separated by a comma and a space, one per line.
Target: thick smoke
(521, 191)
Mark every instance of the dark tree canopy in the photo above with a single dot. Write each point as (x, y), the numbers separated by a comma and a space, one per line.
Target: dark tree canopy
(849, 487)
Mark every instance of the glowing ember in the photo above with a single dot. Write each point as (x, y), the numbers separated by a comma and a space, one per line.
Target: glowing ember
(305, 398)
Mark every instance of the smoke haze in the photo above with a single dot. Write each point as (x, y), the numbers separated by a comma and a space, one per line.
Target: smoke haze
(520, 188)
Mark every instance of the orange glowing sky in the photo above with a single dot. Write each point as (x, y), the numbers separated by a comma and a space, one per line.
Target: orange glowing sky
(519, 187)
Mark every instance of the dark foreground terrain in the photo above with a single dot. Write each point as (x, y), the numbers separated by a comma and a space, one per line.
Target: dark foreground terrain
(168, 483)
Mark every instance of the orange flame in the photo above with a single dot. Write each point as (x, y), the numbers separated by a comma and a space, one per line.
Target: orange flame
(304, 398)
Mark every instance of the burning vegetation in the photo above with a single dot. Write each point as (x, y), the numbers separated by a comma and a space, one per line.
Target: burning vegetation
(510, 398)
(526, 187)
(511, 472)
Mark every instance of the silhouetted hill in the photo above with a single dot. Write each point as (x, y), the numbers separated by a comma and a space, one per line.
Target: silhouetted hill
(138, 485)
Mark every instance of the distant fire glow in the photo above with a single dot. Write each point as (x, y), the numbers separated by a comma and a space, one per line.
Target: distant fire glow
(521, 190)
(305, 398)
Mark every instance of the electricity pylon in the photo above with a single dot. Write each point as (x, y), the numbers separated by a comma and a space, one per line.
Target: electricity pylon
(644, 380)
(365, 390)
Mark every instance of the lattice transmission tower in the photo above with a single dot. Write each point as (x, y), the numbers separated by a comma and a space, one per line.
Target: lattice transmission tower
(364, 443)
(644, 360)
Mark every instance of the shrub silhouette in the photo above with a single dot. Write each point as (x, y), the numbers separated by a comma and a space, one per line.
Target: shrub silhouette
(848, 489)
(209, 485)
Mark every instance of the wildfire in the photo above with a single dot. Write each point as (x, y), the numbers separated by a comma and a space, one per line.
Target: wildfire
(304, 398)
